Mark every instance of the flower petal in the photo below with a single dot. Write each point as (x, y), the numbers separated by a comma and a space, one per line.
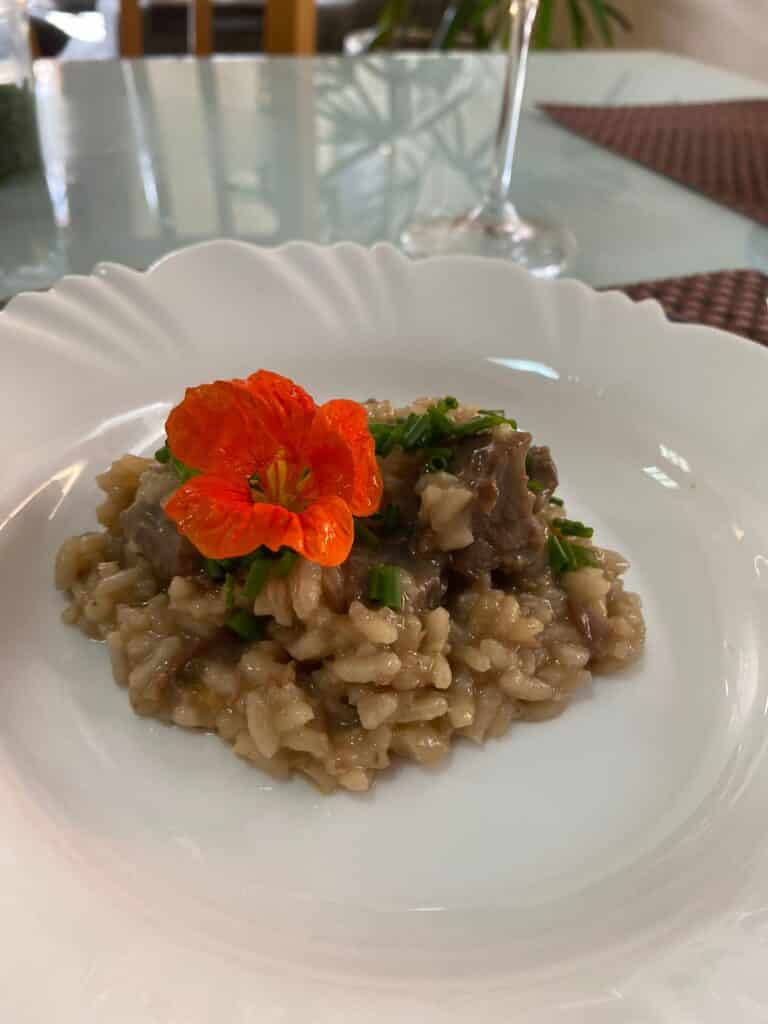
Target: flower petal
(341, 455)
(285, 411)
(217, 430)
(221, 519)
(328, 531)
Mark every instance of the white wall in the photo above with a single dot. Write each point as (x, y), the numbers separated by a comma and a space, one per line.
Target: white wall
(729, 33)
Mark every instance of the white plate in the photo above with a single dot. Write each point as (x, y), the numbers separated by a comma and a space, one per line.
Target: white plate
(608, 866)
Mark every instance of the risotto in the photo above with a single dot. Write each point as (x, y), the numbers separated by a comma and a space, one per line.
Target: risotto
(333, 588)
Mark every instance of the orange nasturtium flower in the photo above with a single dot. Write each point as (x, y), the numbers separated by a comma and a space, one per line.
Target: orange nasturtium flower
(274, 469)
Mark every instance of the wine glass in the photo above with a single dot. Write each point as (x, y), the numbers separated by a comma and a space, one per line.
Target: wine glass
(494, 227)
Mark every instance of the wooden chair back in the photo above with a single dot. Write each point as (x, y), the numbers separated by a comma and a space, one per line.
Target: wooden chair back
(290, 27)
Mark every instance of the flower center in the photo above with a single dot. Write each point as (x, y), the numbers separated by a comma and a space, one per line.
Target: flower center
(281, 483)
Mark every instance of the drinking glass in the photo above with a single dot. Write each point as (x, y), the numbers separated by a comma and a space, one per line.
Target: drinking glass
(494, 227)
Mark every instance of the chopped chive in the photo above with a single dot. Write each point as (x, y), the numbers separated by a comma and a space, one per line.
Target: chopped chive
(491, 412)
(379, 430)
(384, 586)
(556, 501)
(388, 520)
(399, 428)
(256, 578)
(442, 425)
(535, 487)
(572, 528)
(391, 518)
(365, 534)
(374, 582)
(481, 423)
(438, 459)
(558, 558)
(431, 427)
(214, 569)
(166, 457)
(582, 557)
(565, 556)
(229, 592)
(284, 564)
(246, 625)
(182, 471)
(416, 432)
(246, 561)
(383, 434)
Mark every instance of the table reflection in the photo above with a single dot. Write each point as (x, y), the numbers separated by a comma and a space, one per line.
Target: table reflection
(144, 156)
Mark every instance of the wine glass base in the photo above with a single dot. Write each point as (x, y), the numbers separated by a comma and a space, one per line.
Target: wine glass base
(542, 248)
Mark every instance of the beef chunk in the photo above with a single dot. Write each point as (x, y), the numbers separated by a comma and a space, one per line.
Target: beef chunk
(542, 472)
(160, 542)
(508, 536)
(149, 528)
(428, 574)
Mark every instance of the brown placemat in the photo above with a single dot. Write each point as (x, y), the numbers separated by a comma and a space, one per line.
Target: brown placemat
(720, 149)
(733, 300)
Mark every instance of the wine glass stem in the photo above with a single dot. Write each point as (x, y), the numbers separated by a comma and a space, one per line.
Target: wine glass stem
(522, 15)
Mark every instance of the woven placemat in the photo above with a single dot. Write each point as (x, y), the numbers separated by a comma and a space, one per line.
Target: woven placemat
(720, 149)
(733, 300)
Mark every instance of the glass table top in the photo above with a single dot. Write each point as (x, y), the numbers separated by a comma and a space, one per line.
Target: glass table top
(142, 157)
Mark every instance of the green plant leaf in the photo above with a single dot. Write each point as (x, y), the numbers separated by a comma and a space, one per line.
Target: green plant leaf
(392, 21)
(480, 23)
(472, 16)
(446, 20)
(618, 16)
(542, 29)
(482, 7)
(380, 41)
(462, 15)
(481, 37)
(578, 23)
(601, 19)
(500, 27)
